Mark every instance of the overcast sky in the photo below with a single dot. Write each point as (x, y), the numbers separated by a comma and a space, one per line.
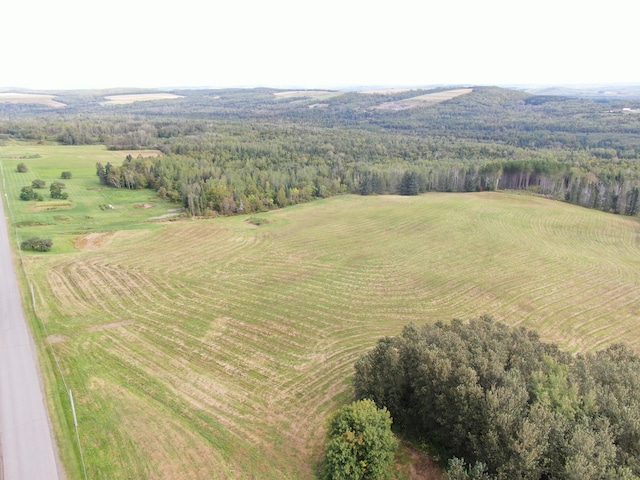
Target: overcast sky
(50, 44)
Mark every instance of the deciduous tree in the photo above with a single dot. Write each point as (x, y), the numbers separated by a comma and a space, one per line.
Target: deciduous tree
(361, 445)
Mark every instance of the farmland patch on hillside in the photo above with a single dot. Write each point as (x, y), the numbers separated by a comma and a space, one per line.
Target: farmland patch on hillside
(30, 98)
(424, 100)
(139, 97)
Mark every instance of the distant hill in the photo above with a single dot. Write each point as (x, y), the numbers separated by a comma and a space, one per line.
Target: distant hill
(600, 92)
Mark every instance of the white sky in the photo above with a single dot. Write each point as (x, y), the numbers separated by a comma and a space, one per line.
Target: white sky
(51, 44)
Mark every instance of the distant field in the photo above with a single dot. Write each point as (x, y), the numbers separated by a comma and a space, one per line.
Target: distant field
(139, 97)
(31, 98)
(385, 91)
(320, 94)
(421, 100)
(217, 348)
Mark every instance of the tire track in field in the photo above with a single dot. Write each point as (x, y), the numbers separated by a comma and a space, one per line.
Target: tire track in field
(252, 333)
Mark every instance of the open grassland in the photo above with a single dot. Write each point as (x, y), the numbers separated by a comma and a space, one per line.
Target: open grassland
(422, 100)
(30, 98)
(139, 97)
(217, 348)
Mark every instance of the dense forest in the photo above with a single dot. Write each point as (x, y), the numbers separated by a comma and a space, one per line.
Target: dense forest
(241, 151)
(501, 404)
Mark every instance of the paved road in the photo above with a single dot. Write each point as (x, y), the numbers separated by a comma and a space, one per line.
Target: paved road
(26, 444)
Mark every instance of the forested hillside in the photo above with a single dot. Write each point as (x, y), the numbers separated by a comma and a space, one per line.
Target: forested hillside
(240, 151)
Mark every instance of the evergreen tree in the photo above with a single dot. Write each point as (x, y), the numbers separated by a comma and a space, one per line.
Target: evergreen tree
(409, 185)
(633, 203)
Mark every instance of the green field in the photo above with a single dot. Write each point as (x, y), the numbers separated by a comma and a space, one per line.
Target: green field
(218, 348)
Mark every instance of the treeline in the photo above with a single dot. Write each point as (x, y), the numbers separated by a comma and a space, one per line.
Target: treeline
(238, 150)
(501, 404)
(245, 179)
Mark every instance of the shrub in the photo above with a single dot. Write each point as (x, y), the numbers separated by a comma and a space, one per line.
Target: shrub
(38, 183)
(258, 221)
(22, 168)
(38, 244)
(65, 175)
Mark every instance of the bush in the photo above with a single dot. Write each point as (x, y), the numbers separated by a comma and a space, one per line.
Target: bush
(65, 175)
(22, 168)
(257, 221)
(38, 244)
(27, 193)
(360, 444)
(56, 191)
(38, 183)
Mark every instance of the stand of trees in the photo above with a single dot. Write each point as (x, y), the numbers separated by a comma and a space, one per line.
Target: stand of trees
(28, 193)
(231, 180)
(56, 192)
(501, 404)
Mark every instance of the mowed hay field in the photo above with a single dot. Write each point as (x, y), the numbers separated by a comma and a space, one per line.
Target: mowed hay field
(218, 348)
(423, 100)
(30, 98)
(139, 97)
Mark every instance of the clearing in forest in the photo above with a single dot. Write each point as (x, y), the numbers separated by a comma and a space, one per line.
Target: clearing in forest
(422, 100)
(139, 97)
(218, 348)
(30, 98)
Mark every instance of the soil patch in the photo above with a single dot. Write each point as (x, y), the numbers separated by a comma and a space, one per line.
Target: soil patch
(420, 466)
(52, 205)
(170, 215)
(56, 338)
(93, 241)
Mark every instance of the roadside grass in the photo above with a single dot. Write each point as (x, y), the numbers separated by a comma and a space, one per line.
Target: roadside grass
(218, 348)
